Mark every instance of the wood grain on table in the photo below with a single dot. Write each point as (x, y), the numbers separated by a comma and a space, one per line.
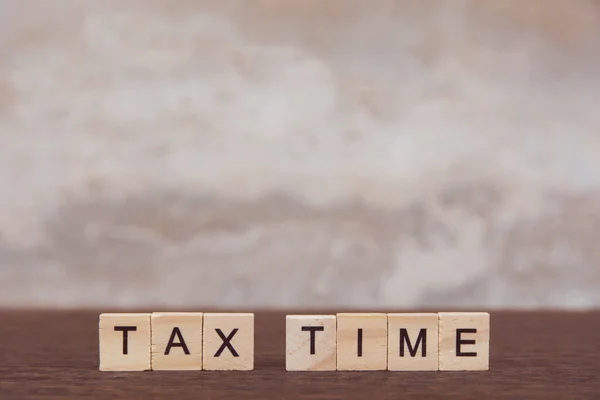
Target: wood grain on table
(534, 355)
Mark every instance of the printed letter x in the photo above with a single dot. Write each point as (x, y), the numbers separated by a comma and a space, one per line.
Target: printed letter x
(226, 342)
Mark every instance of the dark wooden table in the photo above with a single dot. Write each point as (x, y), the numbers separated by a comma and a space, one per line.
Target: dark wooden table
(542, 355)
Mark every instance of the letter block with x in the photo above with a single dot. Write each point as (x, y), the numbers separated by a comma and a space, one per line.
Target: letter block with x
(228, 342)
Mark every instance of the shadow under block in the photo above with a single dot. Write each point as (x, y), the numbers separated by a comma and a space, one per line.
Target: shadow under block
(310, 343)
(361, 342)
(413, 342)
(464, 341)
(228, 342)
(124, 341)
(176, 341)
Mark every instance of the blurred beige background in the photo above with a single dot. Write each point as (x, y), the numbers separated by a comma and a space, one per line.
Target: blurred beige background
(300, 153)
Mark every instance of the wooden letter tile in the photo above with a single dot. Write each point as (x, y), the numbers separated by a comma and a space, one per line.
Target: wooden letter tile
(124, 342)
(228, 342)
(464, 341)
(413, 342)
(176, 341)
(310, 343)
(361, 342)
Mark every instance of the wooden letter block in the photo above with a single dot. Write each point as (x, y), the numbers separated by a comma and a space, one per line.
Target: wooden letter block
(124, 342)
(310, 343)
(228, 342)
(361, 342)
(464, 341)
(413, 342)
(176, 341)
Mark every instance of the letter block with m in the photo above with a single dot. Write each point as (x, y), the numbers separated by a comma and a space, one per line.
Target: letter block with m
(412, 342)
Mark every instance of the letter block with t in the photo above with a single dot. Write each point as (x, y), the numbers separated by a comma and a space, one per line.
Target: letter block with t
(413, 342)
(124, 342)
(177, 341)
(310, 343)
(228, 342)
(464, 341)
(361, 342)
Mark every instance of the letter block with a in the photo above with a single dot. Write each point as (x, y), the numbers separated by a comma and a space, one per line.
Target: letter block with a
(413, 342)
(228, 342)
(124, 341)
(361, 342)
(310, 343)
(464, 341)
(177, 341)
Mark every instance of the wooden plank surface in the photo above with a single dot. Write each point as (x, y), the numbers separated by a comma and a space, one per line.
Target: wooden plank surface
(534, 355)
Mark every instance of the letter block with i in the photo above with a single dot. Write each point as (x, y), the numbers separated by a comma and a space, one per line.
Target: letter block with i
(413, 342)
(228, 342)
(361, 342)
(177, 341)
(124, 342)
(310, 343)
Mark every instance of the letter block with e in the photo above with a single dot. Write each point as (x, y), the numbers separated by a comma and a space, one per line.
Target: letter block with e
(228, 342)
(464, 341)
(124, 342)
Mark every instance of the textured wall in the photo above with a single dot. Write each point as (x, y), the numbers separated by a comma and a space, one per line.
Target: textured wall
(300, 153)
